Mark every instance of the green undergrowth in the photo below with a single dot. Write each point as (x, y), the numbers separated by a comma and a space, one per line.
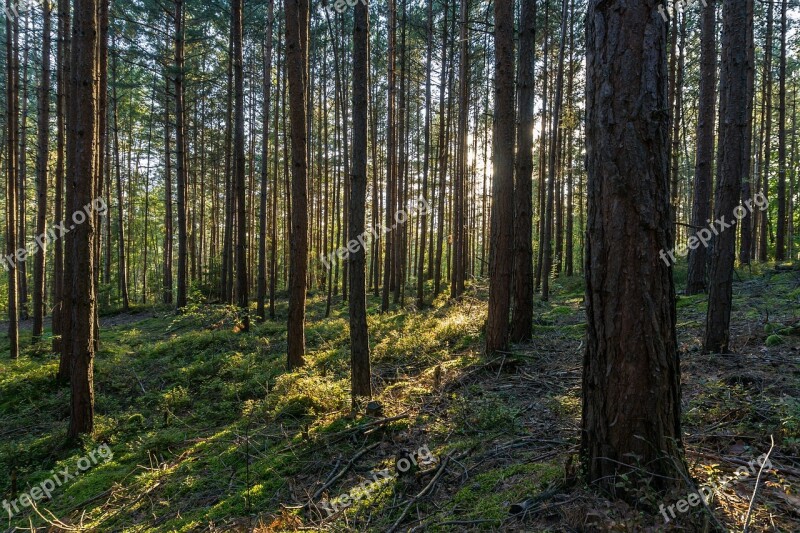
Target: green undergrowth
(204, 422)
(209, 431)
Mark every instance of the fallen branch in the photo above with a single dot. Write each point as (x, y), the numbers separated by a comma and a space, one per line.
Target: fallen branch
(755, 490)
(428, 488)
(342, 472)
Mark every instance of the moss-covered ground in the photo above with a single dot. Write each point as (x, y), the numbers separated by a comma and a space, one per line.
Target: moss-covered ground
(210, 433)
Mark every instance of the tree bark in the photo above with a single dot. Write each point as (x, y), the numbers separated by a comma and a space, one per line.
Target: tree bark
(522, 318)
(297, 21)
(82, 127)
(43, 141)
(731, 165)
(501, 252)
(359, 334)
(704, 162)
(631, 377)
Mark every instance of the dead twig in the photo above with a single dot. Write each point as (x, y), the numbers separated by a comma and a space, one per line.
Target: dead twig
(755, 490)
(428, 488)
(342, 472)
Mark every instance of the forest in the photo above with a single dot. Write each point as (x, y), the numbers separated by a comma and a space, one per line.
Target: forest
(400, 265)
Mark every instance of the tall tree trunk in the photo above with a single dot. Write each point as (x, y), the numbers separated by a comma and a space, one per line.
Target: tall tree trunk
(388, 265)
(62, 105)
(43, 141)
(522, 318)
(426, 160)
(764, 215)
(168, 217)
(780, 238)
(180, 158)
(359, 334)
(12, 113)
(297, 27)
(731, 165)
(460, 176)
(631, 376)
(555, 137)
(704, 163)
(82, 174)
(442, 148)
(746, 252)
(262, 240)
(22, 171)
(239, 174)
(123, 268)
(501, 253)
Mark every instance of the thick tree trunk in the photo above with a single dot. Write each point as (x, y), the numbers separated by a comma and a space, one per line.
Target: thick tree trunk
(704, 162)
(359, 334)
(82, 127)
(522, 318)
(297, 20)
(631, 376)
(735, 101)
(501, 252)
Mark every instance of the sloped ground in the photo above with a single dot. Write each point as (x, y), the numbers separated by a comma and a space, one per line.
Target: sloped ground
(209, 433)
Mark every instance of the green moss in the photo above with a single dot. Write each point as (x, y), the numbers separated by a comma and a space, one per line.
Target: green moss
(774, 340)
(490, 494)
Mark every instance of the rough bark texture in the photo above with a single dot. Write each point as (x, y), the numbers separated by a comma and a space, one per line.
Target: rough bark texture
(82, 127)
(297, 14)
(522, 318)
(704, 162)
(731, 166)
(631, 378)
(357, 271)
(500, 254)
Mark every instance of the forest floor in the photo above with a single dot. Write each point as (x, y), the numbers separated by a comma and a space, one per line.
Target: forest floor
(209, 432)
